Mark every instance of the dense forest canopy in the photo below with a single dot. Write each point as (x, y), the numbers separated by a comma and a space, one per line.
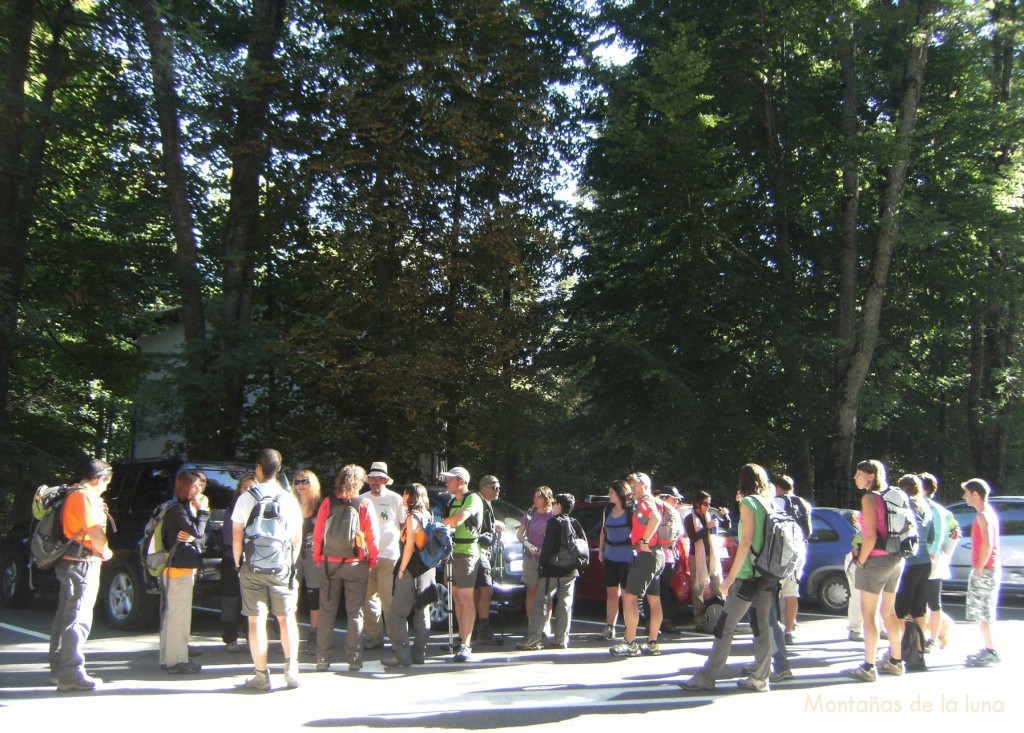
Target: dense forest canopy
(786, 232)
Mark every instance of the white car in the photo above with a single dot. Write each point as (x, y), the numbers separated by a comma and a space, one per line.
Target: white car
(1011, 543)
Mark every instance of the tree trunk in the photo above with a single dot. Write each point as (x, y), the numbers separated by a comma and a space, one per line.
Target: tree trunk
(21, 168)
(859, 335)
(242, 237)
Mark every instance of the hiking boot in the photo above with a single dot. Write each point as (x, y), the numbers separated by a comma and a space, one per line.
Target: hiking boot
(855, 636)
(560, 645)
(789, 638)
(291, 675)
(780, 676)
(753, 684)
(887, 666)
(355, 666)
(984, 658)
(484, 635)
(529, 646)
(188, 667)
(608, 633)
(929, 646)
(323, 664)
(860, 674)
(697, 683)
(652, 648)
(463, 653)
(259, 681)
(625, 649)
(80, 683)
(234, 647)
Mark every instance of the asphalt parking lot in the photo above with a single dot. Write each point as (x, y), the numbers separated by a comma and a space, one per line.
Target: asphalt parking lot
(504, 689)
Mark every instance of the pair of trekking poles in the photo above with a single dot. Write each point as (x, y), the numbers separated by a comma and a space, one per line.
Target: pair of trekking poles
(497, 573)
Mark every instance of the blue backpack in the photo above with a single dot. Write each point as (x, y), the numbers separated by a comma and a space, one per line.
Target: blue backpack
(439, 543)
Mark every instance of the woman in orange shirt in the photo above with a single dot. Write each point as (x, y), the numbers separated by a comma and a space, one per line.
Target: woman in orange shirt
(414, 584)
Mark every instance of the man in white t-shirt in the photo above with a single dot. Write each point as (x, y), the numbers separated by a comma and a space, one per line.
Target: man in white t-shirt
(264, 593)
(390, 513)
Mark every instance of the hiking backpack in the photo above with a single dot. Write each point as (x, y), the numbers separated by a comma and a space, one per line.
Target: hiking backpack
(267, 539)
(342, 536)
(671, 525)
(800, 510)
(912, 649)
(439, 542)
(784, 548)
(48, 543)
(902, 537)
(154, 553)
(574, 551)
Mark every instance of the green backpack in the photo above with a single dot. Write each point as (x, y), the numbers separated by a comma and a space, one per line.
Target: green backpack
(155, 554)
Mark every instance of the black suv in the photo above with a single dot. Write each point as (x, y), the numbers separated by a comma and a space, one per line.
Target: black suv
(128, 596)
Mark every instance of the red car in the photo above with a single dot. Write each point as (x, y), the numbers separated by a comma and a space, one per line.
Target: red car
(590, 586)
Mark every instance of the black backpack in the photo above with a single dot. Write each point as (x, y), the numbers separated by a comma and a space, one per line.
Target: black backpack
(913, 647)
(574, 551)
(800, 510)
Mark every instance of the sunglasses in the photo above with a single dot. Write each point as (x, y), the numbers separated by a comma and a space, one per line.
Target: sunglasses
(302, 482)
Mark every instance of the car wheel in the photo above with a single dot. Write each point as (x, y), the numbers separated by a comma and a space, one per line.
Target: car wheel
(834, 593)
(126, 604)
(14, 588)
(439, 608)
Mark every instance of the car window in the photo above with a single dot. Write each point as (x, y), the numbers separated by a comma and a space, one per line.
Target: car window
(822, 530)
(155, 486)
(964, 516)
(118, 496)
(221, 482)
(589, 518)
(1011, 518)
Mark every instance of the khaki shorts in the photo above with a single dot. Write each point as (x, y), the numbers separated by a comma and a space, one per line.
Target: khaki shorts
(464, 570)
(263, 593)
(531, 570)
(644, 571)
(880, 573)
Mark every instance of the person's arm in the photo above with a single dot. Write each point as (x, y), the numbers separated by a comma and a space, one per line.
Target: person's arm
(368, 525)
(653, 522)
(601, 539)
(869, 526)
(747, 522)
(987, 542)
(237, 535)
(318, 530)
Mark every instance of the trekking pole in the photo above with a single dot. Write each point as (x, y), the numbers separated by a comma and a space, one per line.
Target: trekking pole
(498, 576)
(448, 570)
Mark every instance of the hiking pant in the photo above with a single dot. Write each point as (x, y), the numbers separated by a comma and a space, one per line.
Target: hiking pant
(79, 585)
(376, 610)
(697, 595)
(411, 595)
(744, 595)
(563, 589)
(176, 619)
(337, 578)
(231, 619)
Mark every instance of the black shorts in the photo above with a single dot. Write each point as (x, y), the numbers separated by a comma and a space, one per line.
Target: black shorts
(615, 573)
(912, 595)
(484, 578)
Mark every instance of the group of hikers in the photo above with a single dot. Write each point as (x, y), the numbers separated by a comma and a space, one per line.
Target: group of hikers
(371, 549)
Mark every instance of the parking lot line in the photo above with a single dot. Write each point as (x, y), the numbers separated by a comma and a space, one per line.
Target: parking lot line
(26, 632)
